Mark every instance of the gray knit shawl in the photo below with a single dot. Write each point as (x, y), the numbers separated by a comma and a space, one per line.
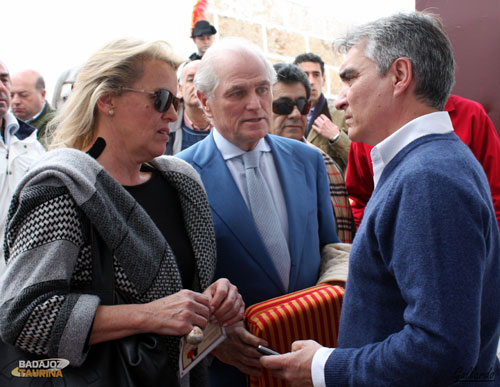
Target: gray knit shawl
(134, 239)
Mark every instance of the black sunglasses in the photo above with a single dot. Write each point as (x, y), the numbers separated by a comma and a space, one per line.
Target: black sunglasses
(284, 106)
(163, 98)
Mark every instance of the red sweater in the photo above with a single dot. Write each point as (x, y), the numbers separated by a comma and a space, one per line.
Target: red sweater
(472, 125)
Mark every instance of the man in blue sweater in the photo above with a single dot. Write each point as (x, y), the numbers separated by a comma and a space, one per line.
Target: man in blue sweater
(421, 305)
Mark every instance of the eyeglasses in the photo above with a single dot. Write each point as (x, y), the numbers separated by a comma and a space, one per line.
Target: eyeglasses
(284, 106)
(163, 98)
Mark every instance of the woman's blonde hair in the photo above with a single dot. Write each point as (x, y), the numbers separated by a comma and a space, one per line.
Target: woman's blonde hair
(118, 64)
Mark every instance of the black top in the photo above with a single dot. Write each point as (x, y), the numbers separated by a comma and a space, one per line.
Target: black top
(161, 202)
(194, 56)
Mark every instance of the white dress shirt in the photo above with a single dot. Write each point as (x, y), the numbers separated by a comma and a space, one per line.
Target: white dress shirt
(232, 155)
(384, 151)
(11, 127)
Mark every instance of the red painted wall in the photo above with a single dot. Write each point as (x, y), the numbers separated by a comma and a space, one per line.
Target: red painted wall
(473, 27)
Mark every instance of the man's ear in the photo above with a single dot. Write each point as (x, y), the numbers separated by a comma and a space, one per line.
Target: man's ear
(204, 104)
(402, 74)
(179, 90)
(105, 103)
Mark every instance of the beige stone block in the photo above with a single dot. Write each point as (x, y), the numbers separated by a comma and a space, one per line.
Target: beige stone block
(335, 82)
(227, 6)
(284, 43)
(210, 17)
(324, 49)
(276, 16)
(229, 26)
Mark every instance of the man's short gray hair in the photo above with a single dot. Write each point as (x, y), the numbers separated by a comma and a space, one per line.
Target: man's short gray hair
(207, 76)
(417, 36)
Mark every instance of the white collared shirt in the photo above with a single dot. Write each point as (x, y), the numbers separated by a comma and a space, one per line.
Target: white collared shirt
(386, 150)
(234, 162)
(382, 154)
(11, 127)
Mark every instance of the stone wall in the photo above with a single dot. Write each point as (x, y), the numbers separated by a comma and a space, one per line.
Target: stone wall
(283, 29)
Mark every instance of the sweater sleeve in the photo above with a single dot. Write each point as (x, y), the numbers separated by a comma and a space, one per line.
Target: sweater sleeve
(431, 236)
(45, 250)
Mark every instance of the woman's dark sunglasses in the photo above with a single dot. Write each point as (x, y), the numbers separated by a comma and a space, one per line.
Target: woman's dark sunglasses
(163, 98)
(284, 106)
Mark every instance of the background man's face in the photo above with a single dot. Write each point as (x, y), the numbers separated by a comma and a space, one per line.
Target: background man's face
(241, 105)
(294, 124)
(27, 101)
(4, 90)
(203, 42)
(186, 87)
(316, 79)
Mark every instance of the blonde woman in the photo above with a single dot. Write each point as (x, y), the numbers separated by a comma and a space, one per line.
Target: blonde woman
(151, 212)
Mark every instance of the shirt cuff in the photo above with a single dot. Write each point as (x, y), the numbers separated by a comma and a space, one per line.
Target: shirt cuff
(335, 138)
(318, 366)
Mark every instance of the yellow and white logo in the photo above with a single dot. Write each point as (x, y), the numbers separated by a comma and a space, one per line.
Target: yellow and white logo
(46, 368)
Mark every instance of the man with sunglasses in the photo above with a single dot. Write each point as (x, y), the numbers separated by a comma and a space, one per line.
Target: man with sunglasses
(323, 126)
(291, 93)
(234, 84)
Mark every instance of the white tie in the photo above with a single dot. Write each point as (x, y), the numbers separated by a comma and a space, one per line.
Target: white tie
(265, 216)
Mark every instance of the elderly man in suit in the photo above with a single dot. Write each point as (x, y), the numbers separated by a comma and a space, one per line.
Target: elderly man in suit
(269, 232)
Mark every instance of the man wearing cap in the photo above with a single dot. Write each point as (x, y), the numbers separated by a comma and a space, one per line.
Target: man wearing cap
(203, 36)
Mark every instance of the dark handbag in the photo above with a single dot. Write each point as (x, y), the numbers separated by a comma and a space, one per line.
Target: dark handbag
(139, 360)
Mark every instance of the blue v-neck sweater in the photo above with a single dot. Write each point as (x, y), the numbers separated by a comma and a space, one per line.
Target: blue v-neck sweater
(422, 304)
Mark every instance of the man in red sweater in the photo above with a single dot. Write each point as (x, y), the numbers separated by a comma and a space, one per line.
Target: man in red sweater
(472, 125)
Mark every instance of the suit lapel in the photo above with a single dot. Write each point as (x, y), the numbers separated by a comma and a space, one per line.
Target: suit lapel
(229, 206)
(293, 183)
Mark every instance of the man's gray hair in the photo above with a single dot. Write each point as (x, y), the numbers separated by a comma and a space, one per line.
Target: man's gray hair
(417, 36)
(207, 76)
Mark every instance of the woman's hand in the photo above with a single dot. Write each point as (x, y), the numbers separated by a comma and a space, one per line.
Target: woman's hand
(226, 303)
(177, 314)
(172, 315)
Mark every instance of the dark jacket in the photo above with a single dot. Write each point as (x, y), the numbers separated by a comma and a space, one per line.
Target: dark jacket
(41, 123)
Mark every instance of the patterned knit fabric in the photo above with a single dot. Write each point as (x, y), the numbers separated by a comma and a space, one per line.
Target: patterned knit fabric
(338, 193)
(45, 309)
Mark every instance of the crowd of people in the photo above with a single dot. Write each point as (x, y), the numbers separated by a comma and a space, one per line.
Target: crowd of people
(222, 181)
